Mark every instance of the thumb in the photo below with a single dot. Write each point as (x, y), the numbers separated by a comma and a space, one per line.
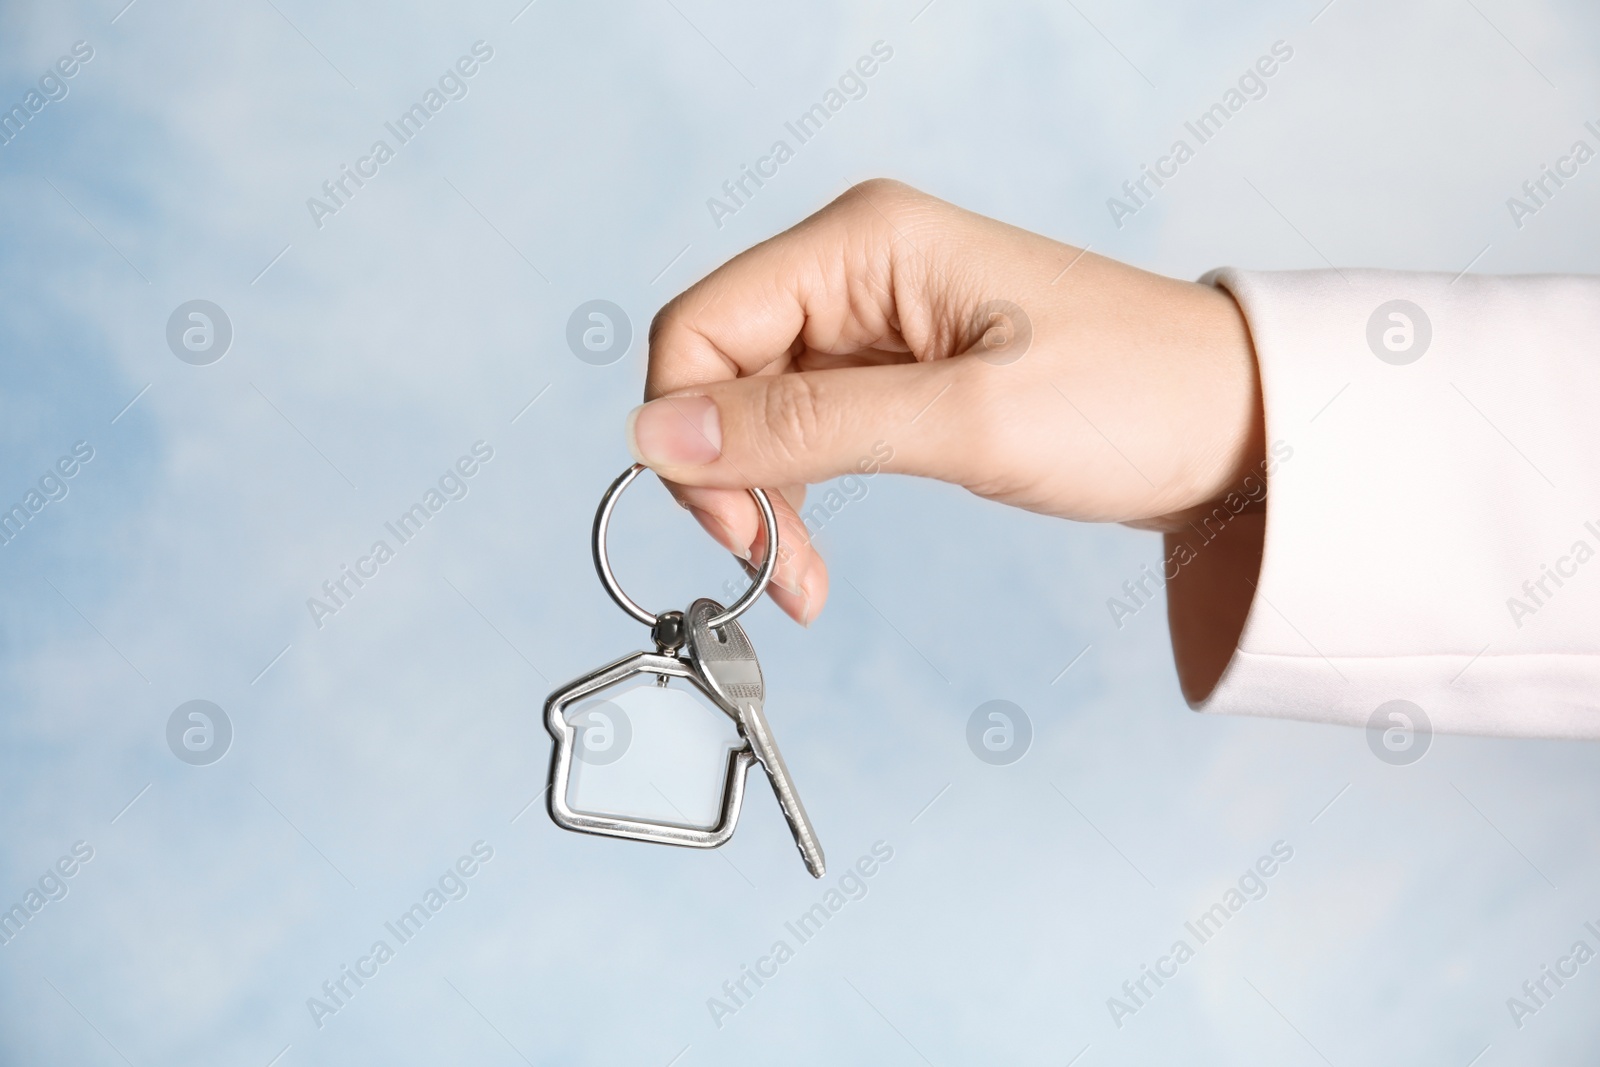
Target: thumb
(804, 427)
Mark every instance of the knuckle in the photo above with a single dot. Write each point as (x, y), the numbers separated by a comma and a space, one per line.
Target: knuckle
(882, 187)
(792, 416)
(982, 413)
(669, 346)
(885, 195)
(666, 318)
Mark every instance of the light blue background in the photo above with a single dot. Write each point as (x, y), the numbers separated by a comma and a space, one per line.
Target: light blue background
(425, 316)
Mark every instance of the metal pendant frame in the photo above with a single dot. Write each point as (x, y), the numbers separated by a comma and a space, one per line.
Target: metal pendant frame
(565, 734)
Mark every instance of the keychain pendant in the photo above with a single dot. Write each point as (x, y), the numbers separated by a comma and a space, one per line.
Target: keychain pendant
(566, 741)
(720, 666)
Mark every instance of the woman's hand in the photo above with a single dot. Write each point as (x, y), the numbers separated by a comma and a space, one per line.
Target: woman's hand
(889, 322)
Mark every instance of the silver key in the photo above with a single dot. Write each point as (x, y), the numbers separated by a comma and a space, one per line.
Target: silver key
(727, 662)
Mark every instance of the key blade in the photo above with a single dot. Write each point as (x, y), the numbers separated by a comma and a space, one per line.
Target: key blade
(756, 730)
(727, 663)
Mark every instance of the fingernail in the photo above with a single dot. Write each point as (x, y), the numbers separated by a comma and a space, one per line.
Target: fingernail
(675, 431)
(792, 588)
(808, 581)
(720, 531)
(784, 578)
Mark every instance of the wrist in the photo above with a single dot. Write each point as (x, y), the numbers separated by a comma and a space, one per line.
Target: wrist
(1221, 427)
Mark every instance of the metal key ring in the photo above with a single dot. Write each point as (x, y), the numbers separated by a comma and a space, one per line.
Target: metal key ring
(602, 561)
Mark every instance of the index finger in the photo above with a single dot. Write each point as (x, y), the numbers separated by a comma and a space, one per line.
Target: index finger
(825, 285)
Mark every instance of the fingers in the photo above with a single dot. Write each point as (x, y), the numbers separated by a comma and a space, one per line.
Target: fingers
(807, 427)
(825, 286)
(801, 428)
(799, 585)
(826, 293)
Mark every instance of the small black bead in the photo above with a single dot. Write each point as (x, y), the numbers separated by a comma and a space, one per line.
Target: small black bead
(668, 631)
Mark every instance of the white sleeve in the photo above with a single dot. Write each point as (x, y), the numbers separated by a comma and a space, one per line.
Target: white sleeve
(1433, 510)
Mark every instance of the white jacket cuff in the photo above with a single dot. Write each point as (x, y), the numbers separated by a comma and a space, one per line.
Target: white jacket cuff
(1433, 512)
